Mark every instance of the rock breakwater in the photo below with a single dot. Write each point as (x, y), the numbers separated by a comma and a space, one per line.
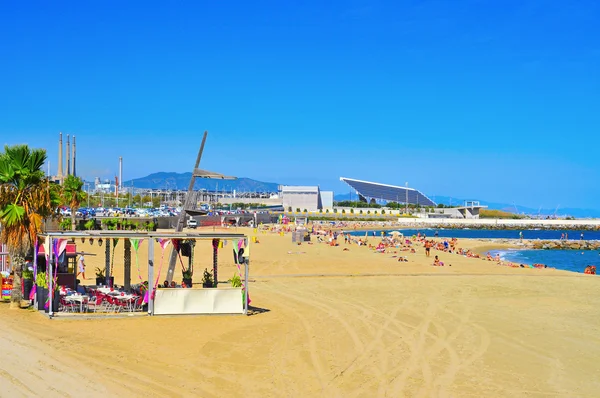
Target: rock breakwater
(563, 245)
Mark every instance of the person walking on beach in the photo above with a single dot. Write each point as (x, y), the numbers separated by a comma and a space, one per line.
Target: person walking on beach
(81, 266)
(427, 248)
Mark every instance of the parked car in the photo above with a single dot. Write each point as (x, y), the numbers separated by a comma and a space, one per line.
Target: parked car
(191, 223)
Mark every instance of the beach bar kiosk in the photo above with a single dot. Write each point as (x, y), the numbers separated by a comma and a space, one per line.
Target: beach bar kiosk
(224, 299)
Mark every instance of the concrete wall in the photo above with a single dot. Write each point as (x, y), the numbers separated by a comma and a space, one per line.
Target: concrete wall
(327, 199)
(308, 201)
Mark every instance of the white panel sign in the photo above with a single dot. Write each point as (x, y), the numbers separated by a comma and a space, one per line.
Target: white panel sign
(198, 301)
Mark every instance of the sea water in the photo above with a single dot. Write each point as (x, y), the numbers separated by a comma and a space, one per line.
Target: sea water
(569, 260)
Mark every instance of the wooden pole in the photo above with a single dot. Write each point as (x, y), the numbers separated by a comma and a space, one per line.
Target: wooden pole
(183, 214)
(215, 244)
(127, 262)
(107, 261)
(150, 275)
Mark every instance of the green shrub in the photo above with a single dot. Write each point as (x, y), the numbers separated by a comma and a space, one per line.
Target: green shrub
(65, 224)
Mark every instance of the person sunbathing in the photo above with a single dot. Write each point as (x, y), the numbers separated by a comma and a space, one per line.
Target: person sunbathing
(437, 262)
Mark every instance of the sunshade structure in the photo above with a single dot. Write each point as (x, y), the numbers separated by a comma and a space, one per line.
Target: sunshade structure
(389, 193)
(170, 301)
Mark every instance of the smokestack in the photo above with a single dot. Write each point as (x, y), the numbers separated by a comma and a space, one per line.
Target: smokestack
(74, 172)
(59, 174)
(120, 172)
(68, 156)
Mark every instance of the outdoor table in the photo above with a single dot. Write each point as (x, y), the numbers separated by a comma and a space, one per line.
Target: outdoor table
(125, 298)
(77, 298)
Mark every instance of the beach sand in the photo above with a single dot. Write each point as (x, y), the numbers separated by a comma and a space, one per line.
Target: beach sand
(330, 323)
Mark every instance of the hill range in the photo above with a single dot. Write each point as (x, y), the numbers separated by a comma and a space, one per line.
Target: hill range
(180, 181)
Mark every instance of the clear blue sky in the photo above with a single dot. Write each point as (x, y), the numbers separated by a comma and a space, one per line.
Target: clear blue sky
(490, 100)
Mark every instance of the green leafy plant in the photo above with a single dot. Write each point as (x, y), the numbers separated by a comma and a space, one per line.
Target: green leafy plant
(207, 278)
(90, 224)
(65, 224)
(100, 272)
(41, 280)
(27, 274)
(236, 281)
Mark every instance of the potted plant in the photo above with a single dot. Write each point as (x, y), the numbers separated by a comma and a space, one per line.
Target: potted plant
(187, 277)
(101, 277)
(42, 289)
(42, 293)
(27, 282)
(207, 279)
(186, 250)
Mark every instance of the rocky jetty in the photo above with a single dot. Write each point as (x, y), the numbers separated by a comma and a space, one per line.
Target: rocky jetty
(564, 244)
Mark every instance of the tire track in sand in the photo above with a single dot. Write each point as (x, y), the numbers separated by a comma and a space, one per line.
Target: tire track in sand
(333, 313)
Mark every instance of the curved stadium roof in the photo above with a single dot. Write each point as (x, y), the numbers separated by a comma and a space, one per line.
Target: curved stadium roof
(391, 193)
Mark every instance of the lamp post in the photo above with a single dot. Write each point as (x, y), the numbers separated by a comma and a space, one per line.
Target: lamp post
(406, 203)
(87, 193)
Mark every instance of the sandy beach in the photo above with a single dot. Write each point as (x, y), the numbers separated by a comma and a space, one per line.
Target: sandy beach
(328, 322)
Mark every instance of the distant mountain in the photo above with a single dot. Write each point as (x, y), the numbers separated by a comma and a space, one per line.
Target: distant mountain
(446, 200)
(515, 208)
(180, 181)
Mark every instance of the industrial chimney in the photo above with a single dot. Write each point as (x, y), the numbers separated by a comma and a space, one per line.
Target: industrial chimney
(59, 173)
(120, 172)
(74, 172)
(68, 156)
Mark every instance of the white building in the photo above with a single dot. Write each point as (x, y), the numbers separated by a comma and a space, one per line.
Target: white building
(327, 200)
(301, 197)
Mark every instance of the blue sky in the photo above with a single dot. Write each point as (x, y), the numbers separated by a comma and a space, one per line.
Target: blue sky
(490, 100)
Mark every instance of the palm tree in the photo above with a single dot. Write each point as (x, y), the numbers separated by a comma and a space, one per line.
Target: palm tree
(73, 194)
(26, 199)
